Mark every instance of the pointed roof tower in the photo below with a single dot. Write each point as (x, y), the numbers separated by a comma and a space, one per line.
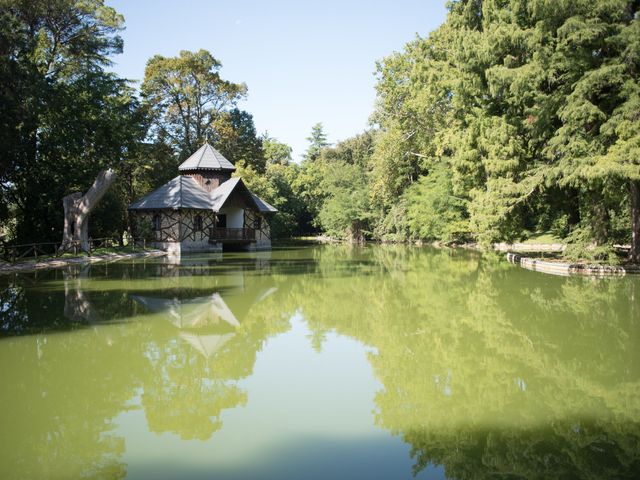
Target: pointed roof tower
(206, 158)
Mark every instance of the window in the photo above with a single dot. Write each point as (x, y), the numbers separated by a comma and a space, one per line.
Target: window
(257, 223)
(157, 222)
(197, 223)
(221, 220)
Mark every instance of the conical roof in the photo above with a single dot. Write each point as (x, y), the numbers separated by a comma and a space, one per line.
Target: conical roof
(206, 158)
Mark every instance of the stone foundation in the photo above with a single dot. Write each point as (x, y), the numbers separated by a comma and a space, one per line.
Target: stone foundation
(565, 269)
(203, 246)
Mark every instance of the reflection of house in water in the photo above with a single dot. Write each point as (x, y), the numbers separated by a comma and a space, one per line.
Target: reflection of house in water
(208, 322)
(208, 314)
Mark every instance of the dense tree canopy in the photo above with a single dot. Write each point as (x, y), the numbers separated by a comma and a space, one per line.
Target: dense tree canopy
(511, 120)
(522, 101)
(63, 117)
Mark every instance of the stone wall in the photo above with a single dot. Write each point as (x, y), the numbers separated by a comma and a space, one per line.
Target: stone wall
(565, 269)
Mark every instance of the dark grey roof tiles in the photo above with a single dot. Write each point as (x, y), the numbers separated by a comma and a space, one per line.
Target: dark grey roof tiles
(184, 192)
(206, 158)
(181, 192)
(219, 196)
(263, 206)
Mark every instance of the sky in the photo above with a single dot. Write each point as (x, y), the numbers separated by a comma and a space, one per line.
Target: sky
(303, 62)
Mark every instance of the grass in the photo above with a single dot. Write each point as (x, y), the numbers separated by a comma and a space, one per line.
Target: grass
(543, 238)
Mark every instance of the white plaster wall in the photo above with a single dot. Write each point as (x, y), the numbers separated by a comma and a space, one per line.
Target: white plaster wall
(235, 216)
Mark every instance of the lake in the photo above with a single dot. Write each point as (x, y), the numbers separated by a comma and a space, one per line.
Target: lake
(382, 362)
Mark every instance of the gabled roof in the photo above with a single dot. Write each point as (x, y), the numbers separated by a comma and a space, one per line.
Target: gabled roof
(181, 192)
(206, 158)
(263, 206)
(220, 195)
(198, 312)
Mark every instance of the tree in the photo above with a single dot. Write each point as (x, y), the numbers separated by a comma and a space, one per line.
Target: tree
(64, 118)
(317, 141)
(77, 208)
(238, 139)
(345, 212)
(530, 105)
(275, 151)
(188, 99)
(597, 147)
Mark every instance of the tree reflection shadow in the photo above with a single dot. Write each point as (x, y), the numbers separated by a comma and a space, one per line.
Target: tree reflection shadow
(486, 369)
(181, 356)
(491, 371)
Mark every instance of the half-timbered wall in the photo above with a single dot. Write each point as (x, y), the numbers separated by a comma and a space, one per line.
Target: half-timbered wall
(188, 225)
(263, 233)
(178, 225)
(181, 227)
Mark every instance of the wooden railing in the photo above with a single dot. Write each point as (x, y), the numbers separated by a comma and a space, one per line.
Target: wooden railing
(232, 234)
(14, 253)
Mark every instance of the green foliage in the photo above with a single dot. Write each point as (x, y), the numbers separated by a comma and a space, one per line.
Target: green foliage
(531, 108)
(335, 186)
(275, 151)
(317, 141)
(188, 100)
(238, 139)
(63, 117)
(433, 212)
(345, 212)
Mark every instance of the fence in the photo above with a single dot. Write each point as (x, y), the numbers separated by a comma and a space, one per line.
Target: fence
(14, 253)
(232, 234)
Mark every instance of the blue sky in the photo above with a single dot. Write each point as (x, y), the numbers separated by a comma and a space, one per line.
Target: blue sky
(304, 62)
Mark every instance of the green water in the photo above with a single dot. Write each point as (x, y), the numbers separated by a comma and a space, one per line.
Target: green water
(318, 362)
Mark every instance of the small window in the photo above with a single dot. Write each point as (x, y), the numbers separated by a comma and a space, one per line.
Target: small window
(257, 224)
(221, 220)
(197, 223)
(157, 222)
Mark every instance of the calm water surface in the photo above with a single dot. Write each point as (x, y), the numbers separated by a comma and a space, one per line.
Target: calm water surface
(318, 362)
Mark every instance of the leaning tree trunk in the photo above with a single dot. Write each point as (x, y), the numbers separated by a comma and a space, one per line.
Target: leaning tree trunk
(77, 208)
(634, 191)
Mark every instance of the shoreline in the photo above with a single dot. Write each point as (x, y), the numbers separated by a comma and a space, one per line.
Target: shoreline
(9, 268)
(573, 268)
(514, 255)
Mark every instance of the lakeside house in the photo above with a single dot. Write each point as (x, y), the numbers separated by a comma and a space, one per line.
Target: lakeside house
(204, 209)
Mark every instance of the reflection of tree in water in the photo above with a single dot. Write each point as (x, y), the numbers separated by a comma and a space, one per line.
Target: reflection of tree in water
(202, 346)
(61, 392)
(67, 389)
(486, 369)
(490, 370)
(64, 393)
(180, 394)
